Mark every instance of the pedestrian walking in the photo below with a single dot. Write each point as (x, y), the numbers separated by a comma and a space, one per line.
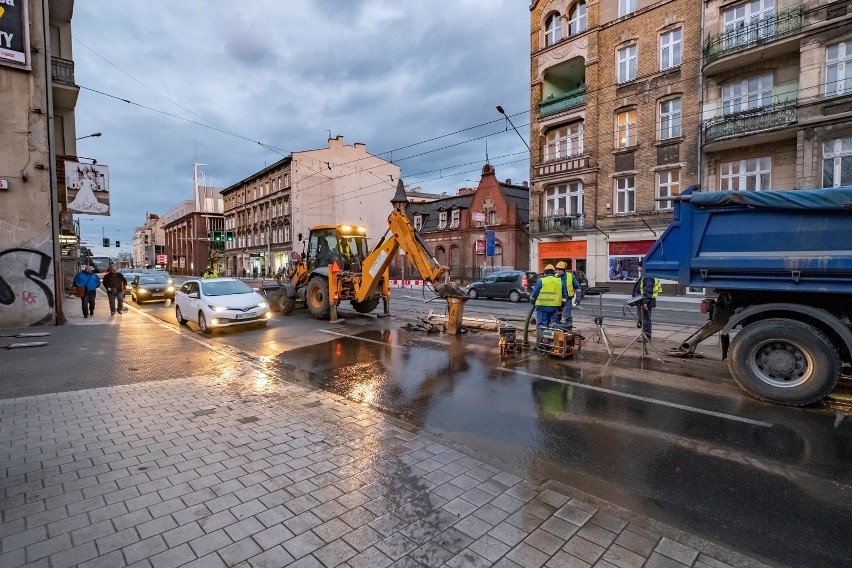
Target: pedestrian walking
(572, 288)
(88, 282)
(649, 288)
(115, 282)
(548, 295)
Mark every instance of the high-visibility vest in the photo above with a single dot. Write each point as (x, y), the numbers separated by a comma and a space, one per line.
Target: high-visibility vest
(658, 287)
(550, 294)
(569, 283)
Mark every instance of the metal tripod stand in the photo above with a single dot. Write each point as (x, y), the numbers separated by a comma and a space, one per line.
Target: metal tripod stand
(646, 343)
(600, 333)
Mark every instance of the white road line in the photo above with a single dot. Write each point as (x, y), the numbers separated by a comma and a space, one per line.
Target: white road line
(642, 398)
(328, 331)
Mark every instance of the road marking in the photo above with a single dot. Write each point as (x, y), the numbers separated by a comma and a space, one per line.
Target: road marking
(328, 331)
(642, 398)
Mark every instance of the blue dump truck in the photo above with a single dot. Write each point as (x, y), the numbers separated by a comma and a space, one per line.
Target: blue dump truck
(780, 265)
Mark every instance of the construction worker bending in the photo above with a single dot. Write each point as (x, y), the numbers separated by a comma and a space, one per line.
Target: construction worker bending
(574, 293)
(649, 288)
(548, 295)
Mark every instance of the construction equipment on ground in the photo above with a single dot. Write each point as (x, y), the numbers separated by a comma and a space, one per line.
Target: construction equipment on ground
(336, 265)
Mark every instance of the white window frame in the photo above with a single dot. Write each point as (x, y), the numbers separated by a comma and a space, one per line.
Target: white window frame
(442, 220)
(553, 29)
(564, 199)
(747, 94)
(752, 174)
(578, 18)
(564, 142)
(626, 7)
(668, 185)
(455, 218)
(626, 131)
(840, 65)
(836, 152)
(627, 63)
(418, 222)
(746, 14)
(671, 49)
(625, 195)
(670, 118)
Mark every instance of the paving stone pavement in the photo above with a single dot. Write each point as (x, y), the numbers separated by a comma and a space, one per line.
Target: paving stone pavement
(252, 472)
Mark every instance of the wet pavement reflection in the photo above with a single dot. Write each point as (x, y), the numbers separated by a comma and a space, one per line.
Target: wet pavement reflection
(770, 480)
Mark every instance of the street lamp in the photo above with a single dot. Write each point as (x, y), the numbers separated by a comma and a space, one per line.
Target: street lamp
(95, 135)
(503, 112)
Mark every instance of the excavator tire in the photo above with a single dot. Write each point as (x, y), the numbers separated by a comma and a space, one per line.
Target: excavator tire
(316, 296)
(286, 304)
(367, 305)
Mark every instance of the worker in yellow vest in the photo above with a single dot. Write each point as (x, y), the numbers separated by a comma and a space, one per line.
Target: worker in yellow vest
(548, 295)
(574, 295)
(649, 288)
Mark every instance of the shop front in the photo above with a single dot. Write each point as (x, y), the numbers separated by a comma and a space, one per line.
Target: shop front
(572, 252)
(623, 263)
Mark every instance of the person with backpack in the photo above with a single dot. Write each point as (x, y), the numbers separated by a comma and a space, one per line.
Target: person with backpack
(649, 288)
(86, 286)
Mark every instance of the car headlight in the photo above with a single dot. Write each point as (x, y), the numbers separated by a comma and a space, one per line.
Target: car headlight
(217, 308)
(141, 291)
(170, 289)
(262, 305)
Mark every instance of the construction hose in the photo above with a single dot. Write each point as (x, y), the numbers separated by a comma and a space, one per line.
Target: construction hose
(527, 323)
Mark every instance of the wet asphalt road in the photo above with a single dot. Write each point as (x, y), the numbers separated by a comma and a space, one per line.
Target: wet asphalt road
(677, 442)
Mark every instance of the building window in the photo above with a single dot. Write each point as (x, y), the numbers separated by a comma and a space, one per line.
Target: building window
(625, 195)
(565, 199)
(627, 63)
(747, 175)
(625, 129)
(554, 29)
(670, 114)
(748, 15)
(626, 7)
(668, 185)
(455, 219)
(442, 220)
(838, 80)
(418, 222)
(578, 18)
(564, 142)
(752, 93)
(671, 49)
(492, 218)
(837, 162)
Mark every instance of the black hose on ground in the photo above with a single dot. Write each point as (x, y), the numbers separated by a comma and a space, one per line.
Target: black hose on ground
(527, 323)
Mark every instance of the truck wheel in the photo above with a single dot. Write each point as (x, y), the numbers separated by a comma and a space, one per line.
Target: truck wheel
(367, 305)
(784, 361)
(286, 305)
(316, 296)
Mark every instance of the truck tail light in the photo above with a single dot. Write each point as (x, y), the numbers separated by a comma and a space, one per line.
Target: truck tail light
(707, 305)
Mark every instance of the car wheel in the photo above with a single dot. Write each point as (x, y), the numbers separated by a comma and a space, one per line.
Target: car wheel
(472, 293)
(202, 323)
(179, 316)
(514, 296)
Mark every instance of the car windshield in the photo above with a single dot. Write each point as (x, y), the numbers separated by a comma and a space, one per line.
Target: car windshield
(225, 287)
(152, 280)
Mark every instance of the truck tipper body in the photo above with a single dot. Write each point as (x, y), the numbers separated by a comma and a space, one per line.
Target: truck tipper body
(780, 265)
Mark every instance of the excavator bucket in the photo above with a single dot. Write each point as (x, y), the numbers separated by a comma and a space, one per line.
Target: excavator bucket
(456, 298)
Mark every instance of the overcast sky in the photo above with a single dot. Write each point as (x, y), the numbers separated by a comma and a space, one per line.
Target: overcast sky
(388, 73)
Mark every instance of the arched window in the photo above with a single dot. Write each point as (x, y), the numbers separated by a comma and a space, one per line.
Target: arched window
(455, 261)
(441, 256)
(553, 28)
(578, 18)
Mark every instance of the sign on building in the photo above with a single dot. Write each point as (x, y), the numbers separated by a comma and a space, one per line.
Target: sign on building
(490, 242)
(87, 188)
(162, 259)
(478, 217)
(14, 34)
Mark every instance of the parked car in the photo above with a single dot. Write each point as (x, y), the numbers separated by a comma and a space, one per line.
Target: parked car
(151, 288)
(129, 275)
(579, 276)
(512, 284)
(220, 302)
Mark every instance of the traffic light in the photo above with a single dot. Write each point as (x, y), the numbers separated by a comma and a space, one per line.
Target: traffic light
(229, 236)
(217, 236)
(106, 241)
(117, 244)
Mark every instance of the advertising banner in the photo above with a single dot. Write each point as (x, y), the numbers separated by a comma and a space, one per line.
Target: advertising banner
(14, 32)
(490, 242)
(162, 259)
(87, 188)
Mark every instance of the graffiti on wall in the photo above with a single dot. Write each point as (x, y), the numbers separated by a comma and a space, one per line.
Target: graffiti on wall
(26, 287)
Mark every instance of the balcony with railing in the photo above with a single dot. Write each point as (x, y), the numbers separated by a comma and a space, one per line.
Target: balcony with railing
(562, 162)
(558, 223)
(555, 104)
(760, 32)
(749, 122)
(62, 70)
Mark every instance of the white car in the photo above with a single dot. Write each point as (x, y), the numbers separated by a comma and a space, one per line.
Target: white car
(220, 302)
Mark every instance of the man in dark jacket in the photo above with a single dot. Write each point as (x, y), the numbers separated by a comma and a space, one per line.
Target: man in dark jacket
(115, 282)
(647, 287)
(89, 281)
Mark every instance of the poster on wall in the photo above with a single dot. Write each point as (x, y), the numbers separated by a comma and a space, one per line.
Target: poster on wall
(14, 34)
(87, 188)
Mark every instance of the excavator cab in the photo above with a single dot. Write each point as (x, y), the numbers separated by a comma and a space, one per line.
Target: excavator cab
(345, 244)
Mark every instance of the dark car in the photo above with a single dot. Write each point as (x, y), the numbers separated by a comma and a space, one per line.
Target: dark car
(579, 277)
(151, 288)
(512, 284)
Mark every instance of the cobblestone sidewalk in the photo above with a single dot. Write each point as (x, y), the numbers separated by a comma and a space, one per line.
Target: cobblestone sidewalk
(247, 471)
